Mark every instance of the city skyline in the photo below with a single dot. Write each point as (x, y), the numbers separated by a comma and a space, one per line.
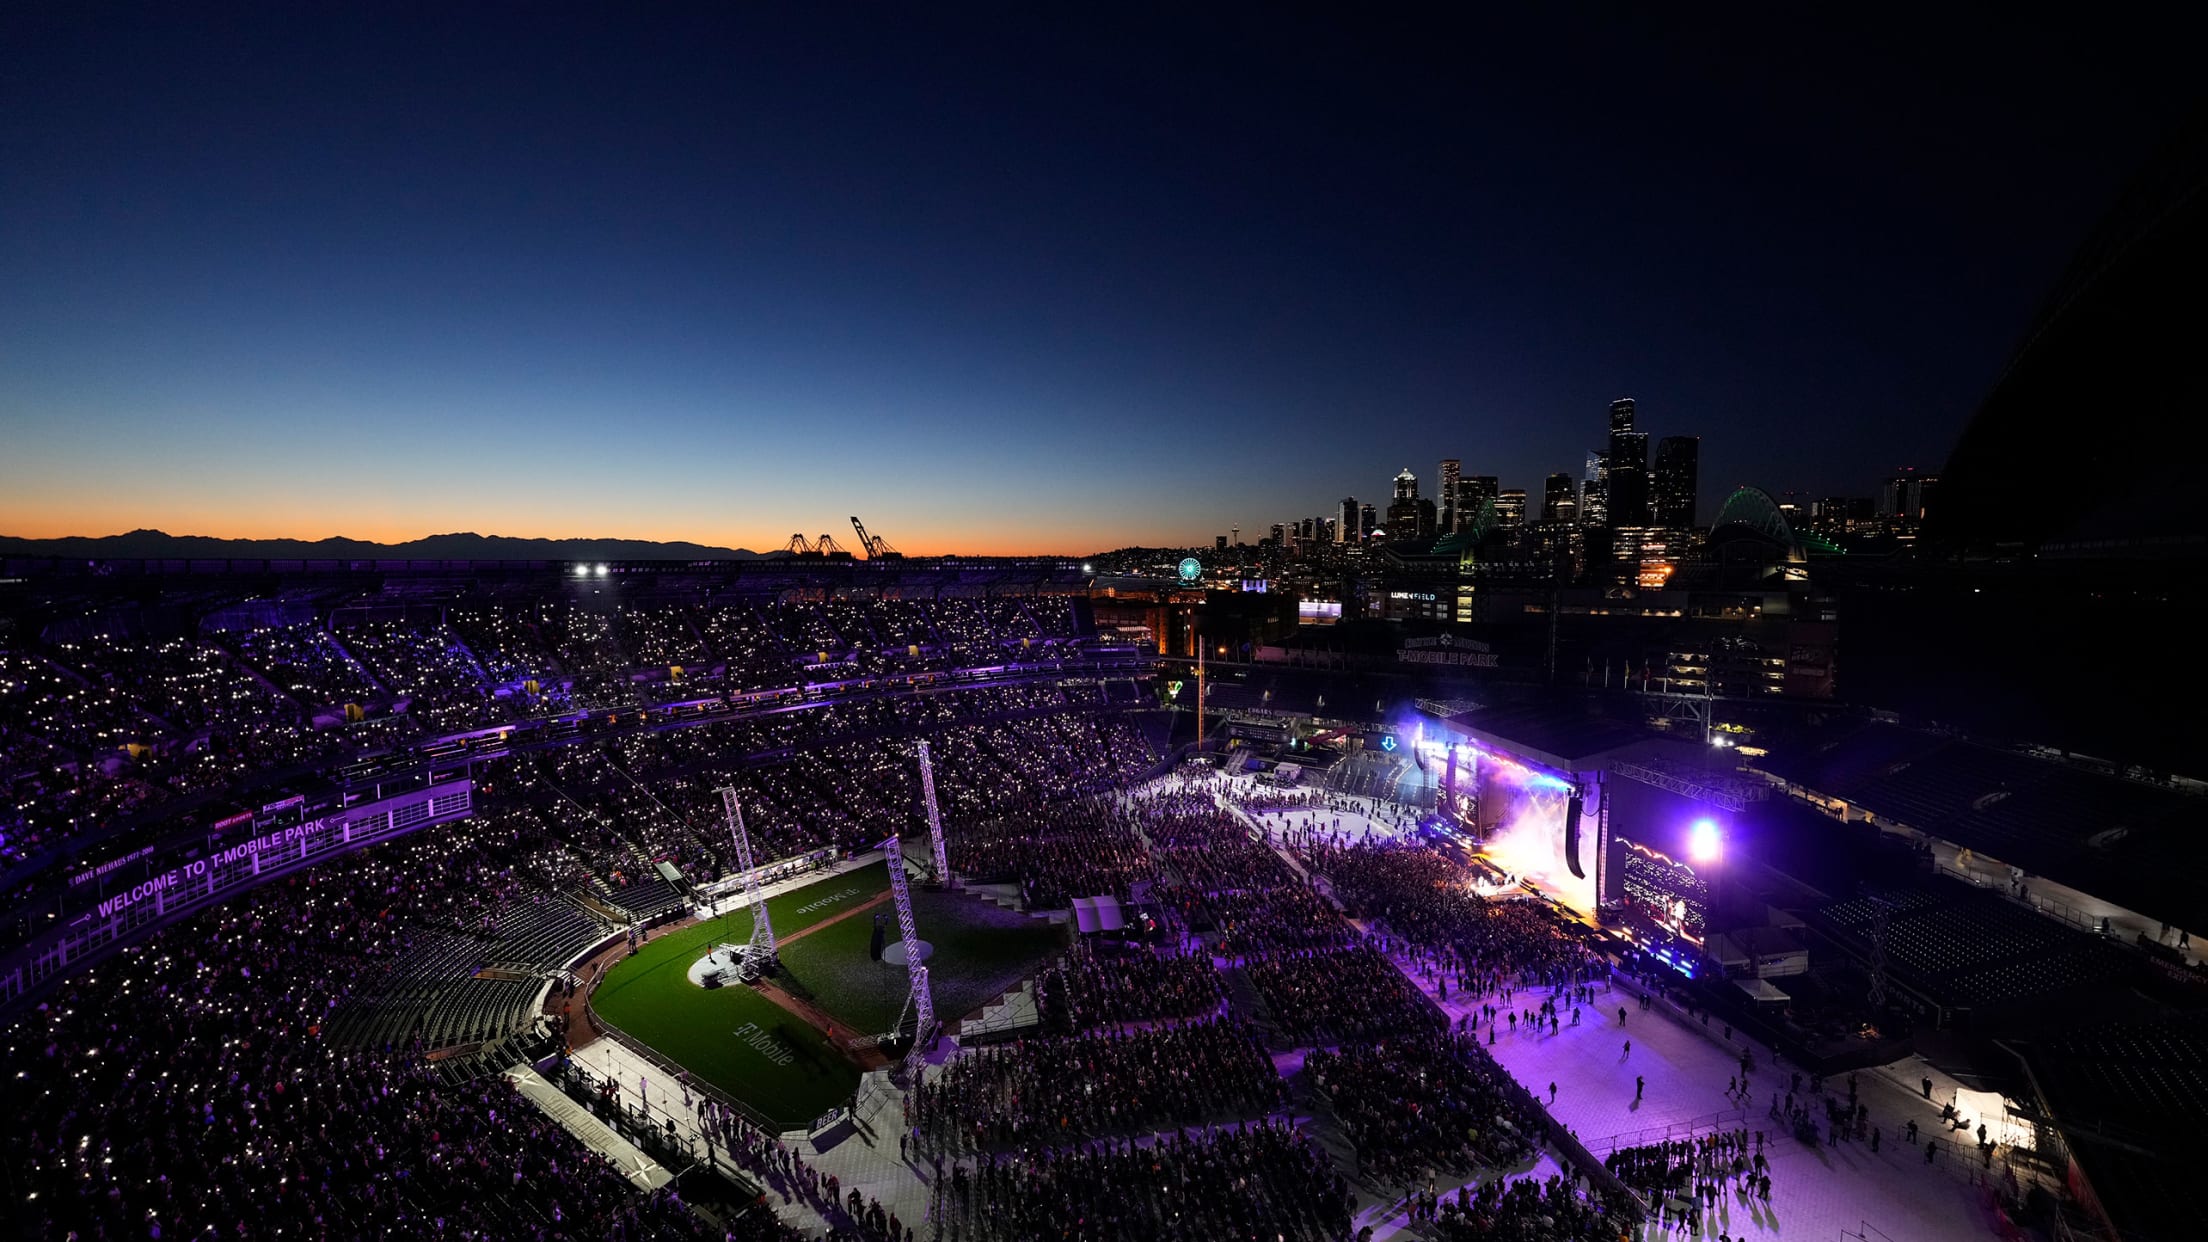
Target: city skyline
(999, 288)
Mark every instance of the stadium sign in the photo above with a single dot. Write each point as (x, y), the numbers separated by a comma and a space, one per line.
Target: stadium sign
(198, 866)
(86, 877)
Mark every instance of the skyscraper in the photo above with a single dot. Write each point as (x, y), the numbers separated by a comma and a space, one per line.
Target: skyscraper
(1473, 491)
(1906, 496)
(1594, 491)
(1627, 493)
(1510, 508)
(1450, 470)
(1347, 531)
(1368, 521)
(1675, 487)
(1406, 485)
(1559, 499)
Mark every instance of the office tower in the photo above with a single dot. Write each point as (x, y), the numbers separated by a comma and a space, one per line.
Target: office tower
(1559, 499)
(1905, 496)
(1406, 485)
(1674, 488)
(1403, 522)
(1474, 492)
(1368, 521)
(1510, 508)
(1347, 531)
(1626, 497)
(1219, 542)
(1451, 471)
(1308, 530)
(1280, 535)
(1594, 491)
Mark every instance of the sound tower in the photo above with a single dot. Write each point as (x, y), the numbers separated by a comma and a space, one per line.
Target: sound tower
(1571, 835)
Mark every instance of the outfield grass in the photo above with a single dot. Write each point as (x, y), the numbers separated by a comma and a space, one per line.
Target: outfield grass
(981, 950)
(650, 997)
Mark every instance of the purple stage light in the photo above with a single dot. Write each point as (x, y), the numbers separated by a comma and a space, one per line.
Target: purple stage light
(1704, 845)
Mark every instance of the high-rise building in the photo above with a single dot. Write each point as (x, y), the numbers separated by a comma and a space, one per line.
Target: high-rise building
(1510, 508)
(1677, 478)
(1219, 542)
(1451, 470)
(1347, 531)
(1280, 535)
(1473, 492)
(1559, 499)
(1594, 490)
(1368, 521)
(1406, 485)
(1626, 496)
(1906, 496)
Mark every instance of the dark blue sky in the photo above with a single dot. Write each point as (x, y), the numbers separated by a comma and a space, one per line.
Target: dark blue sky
(1001, 284)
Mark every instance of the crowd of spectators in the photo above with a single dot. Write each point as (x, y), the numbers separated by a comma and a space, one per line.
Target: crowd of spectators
(1329, 996)
(1260, 1180)
(1067, 1089)
(1423, 899)
(126, 708)
(1413, 1106)
(1686, 1177)
(1055, 851)
(1086, 989)
(189, 1087)
(1526, 1209)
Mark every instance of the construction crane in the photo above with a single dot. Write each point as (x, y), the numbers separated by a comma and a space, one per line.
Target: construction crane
(874, 546)
(827, 546)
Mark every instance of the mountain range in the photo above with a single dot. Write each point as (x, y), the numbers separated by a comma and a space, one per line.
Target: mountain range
(463, 545)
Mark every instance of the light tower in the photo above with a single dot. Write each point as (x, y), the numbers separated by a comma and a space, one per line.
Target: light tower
(919, 1000)
(935, 820)
(758, 953)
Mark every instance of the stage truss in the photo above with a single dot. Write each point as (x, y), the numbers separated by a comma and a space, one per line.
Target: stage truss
(756, 956)
(919, 999)
(935, 820)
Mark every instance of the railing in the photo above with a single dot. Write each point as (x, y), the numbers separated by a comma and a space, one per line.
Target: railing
(1665, 1133)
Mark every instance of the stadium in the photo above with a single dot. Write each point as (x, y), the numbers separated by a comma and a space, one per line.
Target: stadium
(794, 898)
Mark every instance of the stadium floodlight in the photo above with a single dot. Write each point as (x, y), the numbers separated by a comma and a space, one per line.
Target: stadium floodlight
(1704, 843)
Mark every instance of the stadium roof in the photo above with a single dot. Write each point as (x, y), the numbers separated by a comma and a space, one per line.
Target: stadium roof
(1560, 735)
(2123, 841)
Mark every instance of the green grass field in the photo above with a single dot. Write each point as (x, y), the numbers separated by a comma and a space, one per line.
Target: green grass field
(981, 950)
(650, 996)
(791, 1072)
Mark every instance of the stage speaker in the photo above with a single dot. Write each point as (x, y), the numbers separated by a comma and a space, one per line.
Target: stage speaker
(1571, 836)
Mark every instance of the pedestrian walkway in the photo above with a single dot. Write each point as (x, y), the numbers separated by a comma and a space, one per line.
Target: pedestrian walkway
(1676, 1074)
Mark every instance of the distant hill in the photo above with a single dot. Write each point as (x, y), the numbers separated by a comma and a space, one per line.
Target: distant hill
(465, 545)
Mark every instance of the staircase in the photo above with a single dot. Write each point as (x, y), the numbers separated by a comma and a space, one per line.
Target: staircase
(1010, 1016)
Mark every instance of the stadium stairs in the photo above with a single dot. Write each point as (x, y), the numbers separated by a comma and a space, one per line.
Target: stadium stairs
(1014, 1015)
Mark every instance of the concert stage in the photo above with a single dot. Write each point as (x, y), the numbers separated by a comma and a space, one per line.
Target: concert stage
(1600, 816)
